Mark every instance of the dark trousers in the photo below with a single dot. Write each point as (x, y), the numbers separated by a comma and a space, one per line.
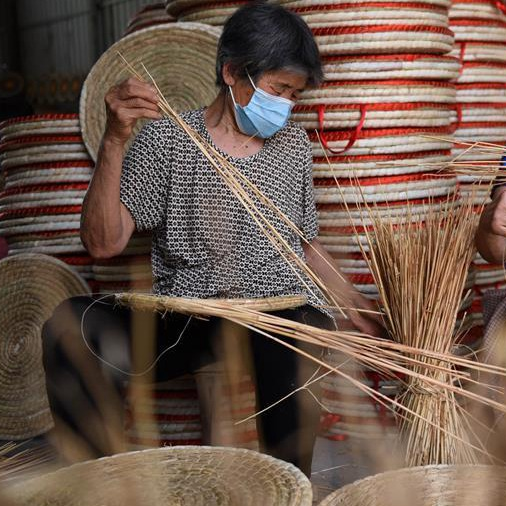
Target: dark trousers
(83, 390)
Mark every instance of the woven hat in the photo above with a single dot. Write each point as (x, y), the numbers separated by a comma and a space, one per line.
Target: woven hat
(425, 486)
(379, 165)
(150, 15)
(490, 113)
(213, 12)
(476, 30)
(369, 14)
(374, 92)
(31, 125)
(381, 141)
(385, 189)
(180, 57)
(383, 39)
(475, 72)
(480, 51)
(170, 476)
(397, 66)
(302, 3)
(31, 286)
(481, 93)
(478, 9)
(387, 115)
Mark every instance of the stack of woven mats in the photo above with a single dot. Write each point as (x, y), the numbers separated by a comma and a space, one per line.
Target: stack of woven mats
(480, 43)
(46, 172)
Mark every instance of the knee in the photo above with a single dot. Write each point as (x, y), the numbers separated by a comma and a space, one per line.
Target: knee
(64, 320)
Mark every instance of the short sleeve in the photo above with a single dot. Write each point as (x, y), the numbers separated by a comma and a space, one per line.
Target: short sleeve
(145, 176)
(310, 216)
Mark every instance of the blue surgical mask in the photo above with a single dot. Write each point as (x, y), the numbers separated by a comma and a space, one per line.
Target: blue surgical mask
(264, 115)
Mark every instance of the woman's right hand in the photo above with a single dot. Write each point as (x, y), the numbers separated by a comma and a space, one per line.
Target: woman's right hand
(126, 103)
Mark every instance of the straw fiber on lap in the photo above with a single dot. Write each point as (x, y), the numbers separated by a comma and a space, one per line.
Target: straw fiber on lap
(197, 475)
(31, 286)
(182, 65)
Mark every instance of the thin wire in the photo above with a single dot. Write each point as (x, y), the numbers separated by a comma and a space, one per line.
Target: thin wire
(157, 359)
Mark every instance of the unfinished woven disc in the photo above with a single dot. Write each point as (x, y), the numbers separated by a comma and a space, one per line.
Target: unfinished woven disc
(180, 57)
(425, 486)
(31, 286)
(174, 476)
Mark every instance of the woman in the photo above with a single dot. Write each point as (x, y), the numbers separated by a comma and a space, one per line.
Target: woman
(205, 244)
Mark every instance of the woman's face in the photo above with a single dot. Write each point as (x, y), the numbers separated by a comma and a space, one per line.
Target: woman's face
(281, 83)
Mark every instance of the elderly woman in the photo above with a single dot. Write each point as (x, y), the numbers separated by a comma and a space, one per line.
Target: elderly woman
(205, 244)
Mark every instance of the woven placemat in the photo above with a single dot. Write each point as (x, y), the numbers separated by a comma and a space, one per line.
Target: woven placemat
(426, 486)
(31, 286)
(180, 57)
(179, 475)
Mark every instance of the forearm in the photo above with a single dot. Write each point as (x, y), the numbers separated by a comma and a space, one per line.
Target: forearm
(326, 268)
(103, 229)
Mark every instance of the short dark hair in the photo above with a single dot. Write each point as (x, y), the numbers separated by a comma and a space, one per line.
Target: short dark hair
(261, 37)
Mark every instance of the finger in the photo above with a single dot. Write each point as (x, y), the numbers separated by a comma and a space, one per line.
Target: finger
(141, 112)
(139, 103)
(138, 89)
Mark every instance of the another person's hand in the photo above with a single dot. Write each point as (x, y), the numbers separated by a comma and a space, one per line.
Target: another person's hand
(491, 233)
(365, 316)
(493, 218)
(126, 103)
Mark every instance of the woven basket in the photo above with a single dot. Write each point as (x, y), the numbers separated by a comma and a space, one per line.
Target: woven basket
(386, 165)
(172, 476)
(426, 486)
(383, 141)
(473, 30)
(180, 57)
(481, 93)
(28, 125)
(480, 51)
(384, 39)
(476, 72)
(397, 66)
(213, 12)
(31, 286)
(388, 115)
(478, 9)
(375, 92)
(369, 14)
(304, 3)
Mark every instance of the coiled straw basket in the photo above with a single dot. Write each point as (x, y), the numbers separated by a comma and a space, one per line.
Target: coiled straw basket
(178, 475)
(426, 486)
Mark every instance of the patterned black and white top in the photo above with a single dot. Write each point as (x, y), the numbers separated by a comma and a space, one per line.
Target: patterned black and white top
(205, 244)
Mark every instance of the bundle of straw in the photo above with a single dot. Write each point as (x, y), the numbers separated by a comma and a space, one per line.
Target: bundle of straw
(420, 272)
